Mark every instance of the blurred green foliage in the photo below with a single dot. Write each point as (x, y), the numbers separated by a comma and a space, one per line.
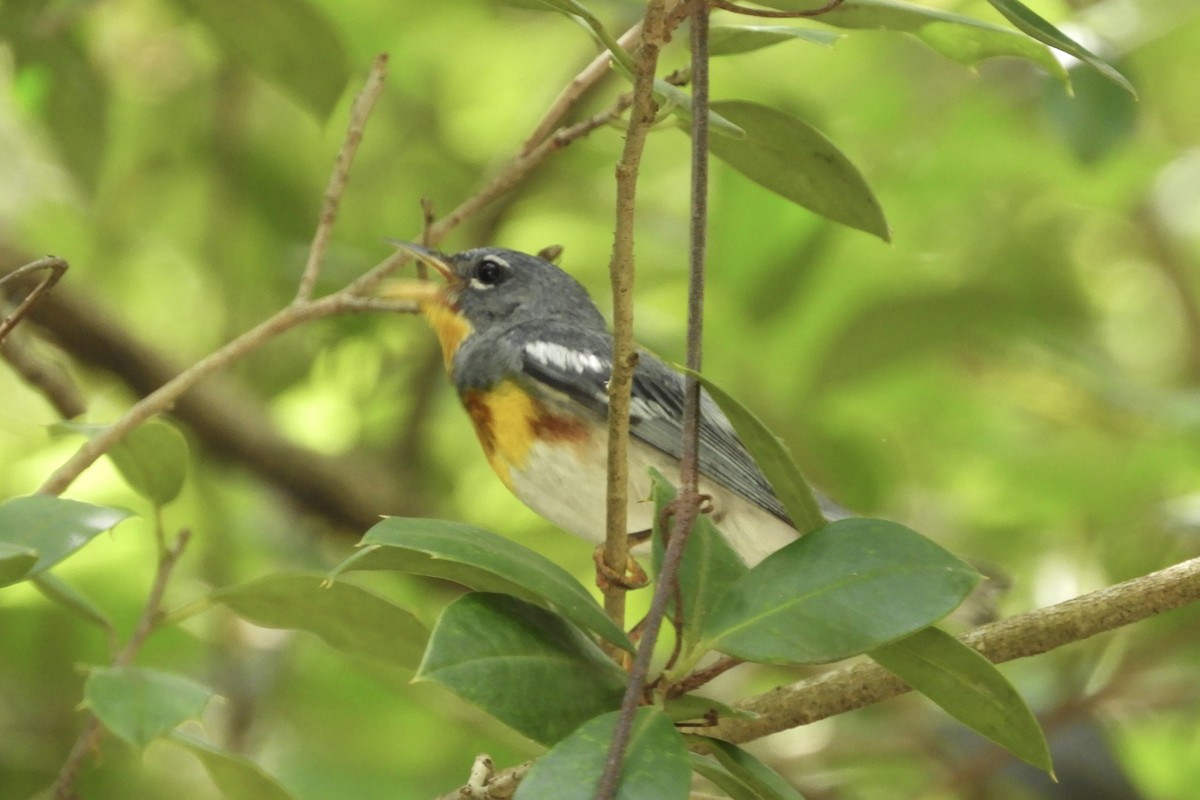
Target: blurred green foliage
(1015, 375)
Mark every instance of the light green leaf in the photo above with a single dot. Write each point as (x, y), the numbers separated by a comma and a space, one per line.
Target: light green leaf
(347, 618)
(74, 601)
(752, 773)
(791, 158)
(53, 527)
(847, 588)
(139, 705)
(969, 688)
(727, 40)
(773, 458)
(1030, 23)
(483, 561)
(290, 43)
(237, 777)
(962, 38)
(15, 562)
(656, 765)
(694, 707)
(153, 460)
(527, 667)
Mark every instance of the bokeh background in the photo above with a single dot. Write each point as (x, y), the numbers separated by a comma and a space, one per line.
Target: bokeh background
(1014, 375)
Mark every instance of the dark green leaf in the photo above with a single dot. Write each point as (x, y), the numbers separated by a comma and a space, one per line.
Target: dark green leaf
(725, 40)
(751, 772)
(773, 458)
(348, 618)
(656, 765)
(290, 43)
(527, 667)
(964, 39)
(483, 561)
(1030, 23)
(237, 777)
(847, 588)
(139, 705)
(794, 160)
(710, 566)
(722, 778)
(15, 562)
(153, 459)
(969, 688)
(53, 527)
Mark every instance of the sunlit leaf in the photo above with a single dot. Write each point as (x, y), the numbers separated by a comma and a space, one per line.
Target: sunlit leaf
(1029, 22)
(794, 160)
(153, 459)
(527, 667)
(773, 458)
(348, 618)
(483, 561)
(15, 562)
(842, 590)
(53, 527)
(969, 688)
(656, 765)
(764, 781)
(726, 40)
(236, 776)
(962, 38)
(139, 705)
(290, 43)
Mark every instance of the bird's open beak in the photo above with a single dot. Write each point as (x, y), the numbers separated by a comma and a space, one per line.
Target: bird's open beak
(416, 290)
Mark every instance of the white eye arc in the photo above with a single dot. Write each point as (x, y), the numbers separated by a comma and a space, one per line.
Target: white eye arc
(490, 271)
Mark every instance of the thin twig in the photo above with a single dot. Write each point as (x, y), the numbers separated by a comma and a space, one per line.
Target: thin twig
(50, 379)
(54, 267)
(702, 676)
(360, 112)
(726, 5)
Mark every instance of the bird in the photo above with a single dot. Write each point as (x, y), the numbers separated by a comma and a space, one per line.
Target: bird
(530, 357)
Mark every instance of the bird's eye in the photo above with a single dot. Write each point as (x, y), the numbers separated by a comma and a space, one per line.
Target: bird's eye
(489, 272)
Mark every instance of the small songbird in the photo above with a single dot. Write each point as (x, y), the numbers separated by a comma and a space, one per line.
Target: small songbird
(530, 356)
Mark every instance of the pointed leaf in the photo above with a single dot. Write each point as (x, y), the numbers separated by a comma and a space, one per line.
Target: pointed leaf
(969, 688)
(751, 772)
(962, 38)
(710, 566)
(74, 601)
(15, 562)
(773, 458)
(346, 617)
(794, 160)
(1026, 20)
(483, 561)
(656, 765)
(722, 778)
(847, 588)
(290, 43)
(53, 527)
(726, 40)
(153, 460)
(236, 776)
(139, 705)
(527, 667)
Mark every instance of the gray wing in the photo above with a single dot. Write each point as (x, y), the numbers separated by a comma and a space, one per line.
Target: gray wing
(578, 363)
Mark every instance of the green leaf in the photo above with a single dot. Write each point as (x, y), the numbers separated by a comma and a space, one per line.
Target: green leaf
(53, 527)
(750, 772)
(694, 707)
(74, 601)
(139, 705)
(794, 160)
(483, 561)
(722, 778)
(1030, 23)
(969, 688)
(962, 38)
(727, 40)
(656, 765)
(847, 588)
(290, 43)
(710, 566)
(15, 562)
(153, 460)
(773, 458)
(237, 777)
(527, 667)
(347, 618)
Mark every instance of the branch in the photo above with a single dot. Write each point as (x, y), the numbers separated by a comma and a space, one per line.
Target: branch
(726, 5)
(54, 266)
(1024, 635)
(50, 379)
